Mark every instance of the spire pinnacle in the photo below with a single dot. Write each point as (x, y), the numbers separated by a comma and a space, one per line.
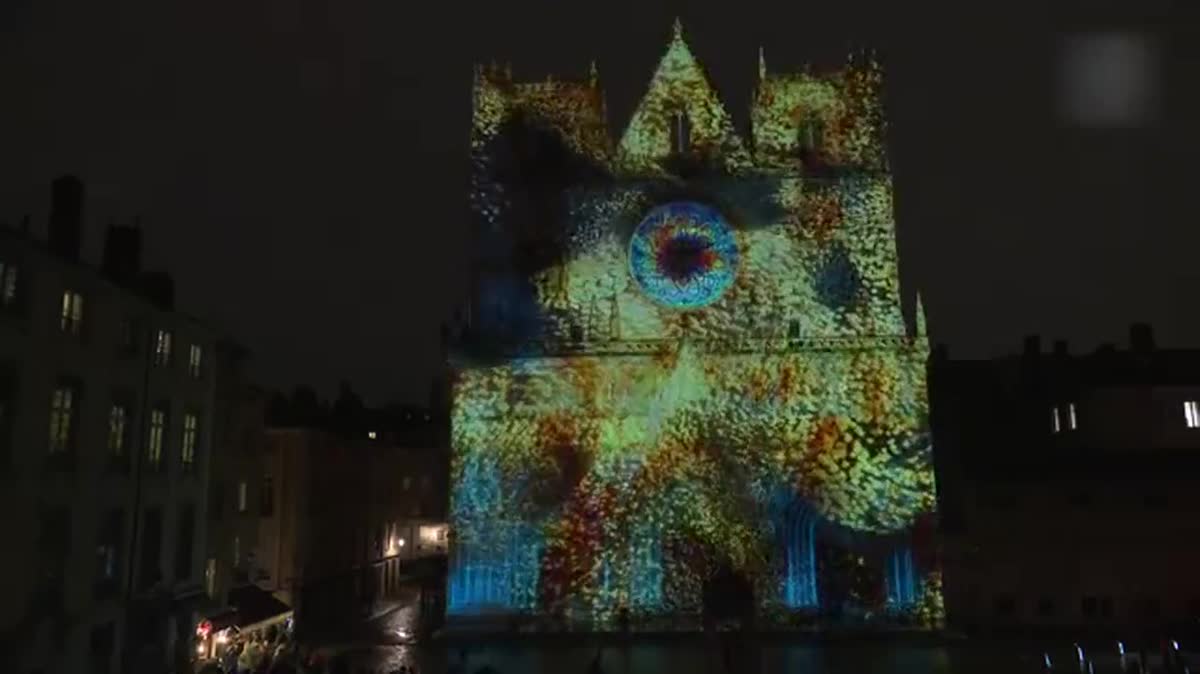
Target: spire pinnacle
(593, 74)
(678, 29)
(921, 328)
(762, 64)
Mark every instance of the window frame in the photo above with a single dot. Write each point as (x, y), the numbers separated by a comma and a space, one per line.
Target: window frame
(71, 315)
(163, 347)
(189, 439)
(10, 285)
(266, 496)
(196, 361)
(150, 569)
(680, 133)
(9, 398)
(54, 547)
(119, 432)
(64, 417)
(156, 436)
(128, 337)
(109, 540)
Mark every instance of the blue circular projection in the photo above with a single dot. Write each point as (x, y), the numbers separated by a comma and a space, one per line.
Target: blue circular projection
(684, 255)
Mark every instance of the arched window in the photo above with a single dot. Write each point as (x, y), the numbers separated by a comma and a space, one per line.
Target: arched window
(810, 136)
(681, 132)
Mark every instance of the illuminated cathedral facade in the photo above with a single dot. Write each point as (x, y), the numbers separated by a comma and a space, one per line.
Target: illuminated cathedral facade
(684, 354)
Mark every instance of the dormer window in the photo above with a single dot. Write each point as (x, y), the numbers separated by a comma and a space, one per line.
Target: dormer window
(681, 133)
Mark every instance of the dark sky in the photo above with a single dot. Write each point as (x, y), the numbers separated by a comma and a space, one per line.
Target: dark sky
(300, 165)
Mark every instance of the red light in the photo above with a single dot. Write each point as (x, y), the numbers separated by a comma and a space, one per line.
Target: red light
(204, 628)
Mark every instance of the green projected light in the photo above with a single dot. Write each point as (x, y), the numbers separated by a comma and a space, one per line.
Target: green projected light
(687, 359)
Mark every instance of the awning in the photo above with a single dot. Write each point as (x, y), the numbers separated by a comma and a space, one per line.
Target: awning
(197, 602)
(222, 619)
(256, 608)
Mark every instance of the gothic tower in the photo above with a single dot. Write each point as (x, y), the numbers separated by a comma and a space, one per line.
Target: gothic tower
(687, 359)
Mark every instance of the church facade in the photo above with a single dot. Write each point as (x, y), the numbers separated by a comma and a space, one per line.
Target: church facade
(684, 357)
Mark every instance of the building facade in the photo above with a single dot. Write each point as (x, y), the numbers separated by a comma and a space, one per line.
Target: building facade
(107, 407)
(350, 513)
(240, 489)
(1069, 488)
(684, 358)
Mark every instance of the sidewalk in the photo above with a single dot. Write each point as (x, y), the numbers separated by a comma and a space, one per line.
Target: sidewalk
(385, 608)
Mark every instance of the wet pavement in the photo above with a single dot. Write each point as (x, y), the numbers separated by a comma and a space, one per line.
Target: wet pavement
(388, 645)
(709, 658)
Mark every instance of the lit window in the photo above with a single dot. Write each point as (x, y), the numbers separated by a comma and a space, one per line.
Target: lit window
(72, 312)
(237, 551)
(432, 534)
(241, 497)
(187, 454)
(162, 348)
(118, 417)
(154, 448)
(1072, 421)
(194, 355)
(1191, 414)
(62, 412)
(8, 284)
(406, 483)
(1055, 423)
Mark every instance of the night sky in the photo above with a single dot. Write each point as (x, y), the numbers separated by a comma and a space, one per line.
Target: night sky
(301, 165)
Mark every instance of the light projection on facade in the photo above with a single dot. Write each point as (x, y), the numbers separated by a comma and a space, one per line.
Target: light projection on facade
(683, 255)
(684, 357)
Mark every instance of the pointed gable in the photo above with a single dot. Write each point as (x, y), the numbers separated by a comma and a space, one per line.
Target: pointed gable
(680, 85)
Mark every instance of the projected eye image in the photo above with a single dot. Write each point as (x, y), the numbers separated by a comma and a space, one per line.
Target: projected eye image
(679, 386)
(683, 255)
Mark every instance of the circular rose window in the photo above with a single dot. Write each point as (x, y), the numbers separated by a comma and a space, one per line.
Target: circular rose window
(684, 255)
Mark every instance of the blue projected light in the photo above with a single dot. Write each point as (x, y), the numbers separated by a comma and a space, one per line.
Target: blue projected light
(684, 255)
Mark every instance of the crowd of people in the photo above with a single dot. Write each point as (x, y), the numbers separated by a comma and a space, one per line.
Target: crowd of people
(269, 651)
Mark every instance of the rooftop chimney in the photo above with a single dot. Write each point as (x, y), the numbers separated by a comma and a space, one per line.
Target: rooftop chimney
(1033, 345)
(122, 253)
(1141, 337)
(66, 217)
(1060, 348)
